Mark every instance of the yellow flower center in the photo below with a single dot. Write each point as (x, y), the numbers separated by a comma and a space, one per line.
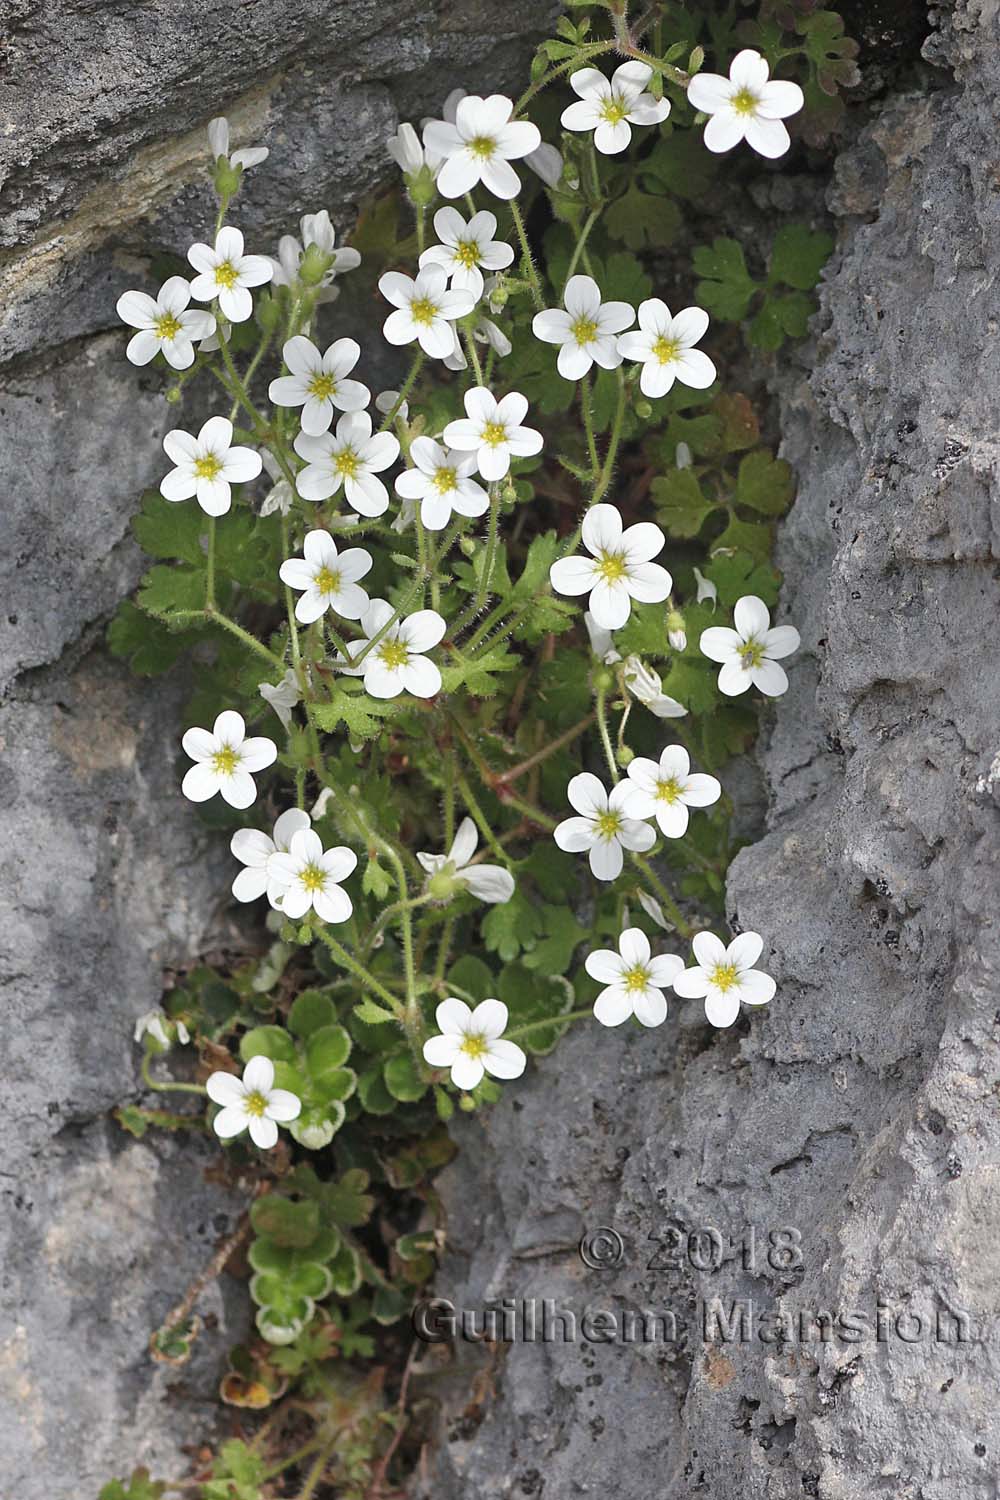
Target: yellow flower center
(207, 467)
(255, 1103)
(744, 102)
(225, 761)
(394, 654)
(327, 581)
(608, 824)
(611, 567)
(614, 109)
(635, 979)
(167, 326)
(667, 791)
(751, 654)
(665, 350)
(423, 311)
(322, 387)
(225, 275)
(724, 976)
(482, 146)
(346, 463)
(584, 330)
(313, 878)
(473, 1044)
(467, 254)
(494, 433)
(444, 480)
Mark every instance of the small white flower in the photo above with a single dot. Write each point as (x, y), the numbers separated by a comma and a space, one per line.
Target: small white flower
(385, 402)
(218, 144)
(492, 429)
(166, 325)
(609, 106)
(252, 1103)
(224, 759)
(467, 249)
(308, 878)
(635, 980)
(280, 497)
(601, 641)
(207, 465)
(480, 146)
(398, 664)
(676, 631)
(665, 790)
(353, 459)
(646, 687)
(746, 106)
(490, 883)
(225, 272)
(603, 826)
(619, 568)
(318, 382)
(254, 849)
(163, 1029)
(282, 696)
(725, 977)
(440, 481)
(706, 588)
(406, 151)
(424, 309)
(487, 332)
(586, 330)
(545, 160)
(471, 1043)
(316, 229)
(329, 579)
(664, 346)
(750, 653)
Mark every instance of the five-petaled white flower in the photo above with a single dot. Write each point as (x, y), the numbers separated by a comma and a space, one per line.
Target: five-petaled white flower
(224, 759)
(218, 144)
(603, 827)
(353, 458)
(329, 579)
(665, 790)
(254, 849)
(207, 465)
(749, 654)
(619, 568)
(723, 977)
(318, 382)
(424, 309)
(308, 878)
(397, 663)
(586, 330)
(225, 272)
(166, 325)
(441, 482)
(635, 980)
(610, 106)
(746, 106)
(490, 883)
(492, 430)
(471, 1043)
(664, 346)
(544, 160)
(467, 249)
(480, 146)
(252, 1103)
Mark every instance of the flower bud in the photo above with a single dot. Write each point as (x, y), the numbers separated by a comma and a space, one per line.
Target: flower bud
(421, 188)
(603, 680)
(643, 410)
(467, 1103)
(227, 179)
(314, 265)
(269, 312)
(172, 393)
(676, 634)
(624, 756)
(468, 545)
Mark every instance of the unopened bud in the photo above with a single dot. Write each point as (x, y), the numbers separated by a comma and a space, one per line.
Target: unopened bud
(421, 188)
(467, 1104)
(172, 394)
(643, 410)
(314, 265)
(603, 680)
(468, 545)
(509, 492)
(227, 179)
(676, 634)
(624, 756)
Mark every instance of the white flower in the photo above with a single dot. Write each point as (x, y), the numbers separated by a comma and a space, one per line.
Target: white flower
(425, 309)
(676, 631)
(353, 459)
(490, 883)
(165, 324)
(252, 1103)
(308, 877)
(664, 346)
(603, 826)
(218, 144)
(225, 272)
(385, 402)
(635, 981)
(329, 579)
(749, 654)
(601, 641)
(646, 687)
(586, 329)
(318, 382)
(254, 849)
(619, 570)
(609, 106)
(397, 664)
(706, 588)
(545, 160)
(492, 429)
(206, 466)
(280, 497)
(440, 481)
(316, 229)
(480, 146)
(470, 1043)
(163, 1029)
(467, 249)
(406, 151)
(746, 106)
(487, 332)
(666, 790)
(224, 760)
(725, 976)
(282, 696)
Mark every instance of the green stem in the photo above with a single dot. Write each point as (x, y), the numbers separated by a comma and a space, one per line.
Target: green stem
(602, 725)
(360, 972)
(612, 453)
(168, 1088)
(486, 577)
(481, 821)
(588, 427)
(210, 566)
(215, 617)
(405, 389)
(470, 347)
(527, 259)
(528, 811)
(570, 1015)
(595, 214)
(663, 895)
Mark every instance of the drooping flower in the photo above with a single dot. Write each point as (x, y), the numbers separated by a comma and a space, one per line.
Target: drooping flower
(664, 790)
(480, 146)
(387, 401)
(467, 249)
(748, 105)
(207, 466)
(252, 1103)
(619, 568)
(308, 878)
(318, 382)
(282, 696)
(166, 325)
(603, 826)
(492, 430)
(585, 330)
(610, 106)
(725, 977)
(353, 458)
(664, 346)
(225, 760)
(471, 1043)
(490, 883)
(218, 144)
(398, 664)
(601, 641)
(706, 588)
(750, 653)
(254, 850)
(158, 1031)
(279, 498)
(635, 980)
(424, 309)
(676, 630)
(329, 579)
(646, 687)
(226, 273)
(441, 481)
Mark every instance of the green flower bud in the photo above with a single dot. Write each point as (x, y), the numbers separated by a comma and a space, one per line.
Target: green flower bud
(227, 180)
(467, 1103)
(643, 410)
(269, 313)
(172, 394)
(624, 756)
(314, 265)
(442, 884)
(421, 188)
(468, 545)
(603, 680)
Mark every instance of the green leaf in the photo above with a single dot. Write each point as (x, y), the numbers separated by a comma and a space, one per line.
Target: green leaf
(765, 483)
(512, 926)
(680, 503)
(166, 590)
(349, 705)
(727, 287)
(745, 536)
(474, 977)
(268, 1041)
(533, 996)
(376, 880)
(562, 935)
(798, 256)
(311, 1010)
(148, 646)
(693, 683)
(168, 530)
(139, 1487)
(327, 1050)
(389, 1304)
(374, 1015)
(443, 1103)
(372, 1092)
(478, 676)
(643, 221)
(402, 1079)
(295, 1225)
